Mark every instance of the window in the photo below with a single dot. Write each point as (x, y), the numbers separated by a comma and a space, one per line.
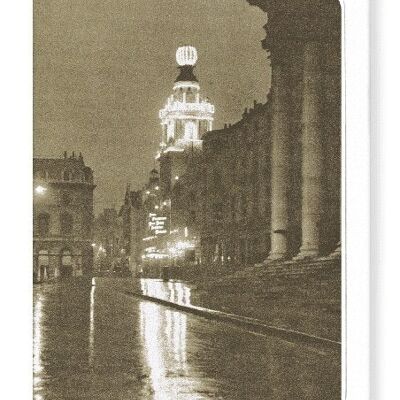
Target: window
(67, 176)
(43, 224)
(65, 199)
(87, 176)
(190, 130)
(66, 224)
(86, 227)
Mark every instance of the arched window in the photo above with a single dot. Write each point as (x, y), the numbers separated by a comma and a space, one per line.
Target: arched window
(42, 174)
(43, 224)
(66, 224)
(170, 130)
(66, 263)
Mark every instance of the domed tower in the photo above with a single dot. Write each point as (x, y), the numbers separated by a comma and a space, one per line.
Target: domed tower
(186, 116)
(184, 119)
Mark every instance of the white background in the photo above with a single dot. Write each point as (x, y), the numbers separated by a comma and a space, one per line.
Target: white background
(385, 196)
(15, 197)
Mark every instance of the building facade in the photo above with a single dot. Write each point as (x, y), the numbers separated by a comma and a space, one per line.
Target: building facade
(236, 190)
(132, 221)
(62, 217)
(300, 139)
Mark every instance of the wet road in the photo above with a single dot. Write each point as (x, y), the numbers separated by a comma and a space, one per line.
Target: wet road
(95, 342)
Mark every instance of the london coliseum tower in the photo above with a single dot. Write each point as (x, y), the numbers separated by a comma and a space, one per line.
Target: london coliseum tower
(184, 119)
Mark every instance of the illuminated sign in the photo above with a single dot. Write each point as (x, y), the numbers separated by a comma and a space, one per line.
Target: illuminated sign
(157, 224)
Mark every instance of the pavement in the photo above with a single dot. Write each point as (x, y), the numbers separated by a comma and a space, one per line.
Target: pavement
(94, 341)
(168, 293)
(301, 296)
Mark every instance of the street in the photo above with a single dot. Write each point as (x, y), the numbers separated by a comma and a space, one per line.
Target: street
(97, 342)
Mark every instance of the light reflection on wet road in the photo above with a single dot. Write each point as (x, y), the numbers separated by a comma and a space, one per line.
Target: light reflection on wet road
(174, 291)
(95, 342)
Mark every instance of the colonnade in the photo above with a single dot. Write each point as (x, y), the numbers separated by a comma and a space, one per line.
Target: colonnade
(309, 48)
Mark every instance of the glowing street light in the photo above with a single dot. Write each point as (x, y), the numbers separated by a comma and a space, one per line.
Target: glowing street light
(40, 189)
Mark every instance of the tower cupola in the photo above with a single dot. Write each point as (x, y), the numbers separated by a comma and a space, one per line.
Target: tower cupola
(186, 57)
(186, 115)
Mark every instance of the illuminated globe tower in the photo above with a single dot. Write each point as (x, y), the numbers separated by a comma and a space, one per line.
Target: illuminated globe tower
(184, 119)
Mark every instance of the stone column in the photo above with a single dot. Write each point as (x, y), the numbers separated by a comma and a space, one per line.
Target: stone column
(312, 154)
(280, 162)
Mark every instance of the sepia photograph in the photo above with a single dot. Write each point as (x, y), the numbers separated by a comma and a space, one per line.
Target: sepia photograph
(187, 199)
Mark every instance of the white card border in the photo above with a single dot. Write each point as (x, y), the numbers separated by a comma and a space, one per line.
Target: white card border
(355, 204)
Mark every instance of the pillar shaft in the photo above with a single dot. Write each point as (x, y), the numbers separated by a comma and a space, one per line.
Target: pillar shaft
(312, 153)
(280, 163)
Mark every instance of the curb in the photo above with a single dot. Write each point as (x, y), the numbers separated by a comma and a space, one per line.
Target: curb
(251, 324)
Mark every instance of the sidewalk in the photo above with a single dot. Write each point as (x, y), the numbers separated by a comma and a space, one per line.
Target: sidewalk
(298, 306)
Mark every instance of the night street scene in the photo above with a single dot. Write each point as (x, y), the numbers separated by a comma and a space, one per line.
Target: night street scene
(187, 200)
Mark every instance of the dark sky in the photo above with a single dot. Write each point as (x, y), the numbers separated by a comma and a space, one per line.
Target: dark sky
(103, 69)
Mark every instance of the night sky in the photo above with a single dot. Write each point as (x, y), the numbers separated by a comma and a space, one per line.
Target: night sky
(103, 69)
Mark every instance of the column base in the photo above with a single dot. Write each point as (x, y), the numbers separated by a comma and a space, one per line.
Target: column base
(275, 257)
(337, 253)
(311, 252)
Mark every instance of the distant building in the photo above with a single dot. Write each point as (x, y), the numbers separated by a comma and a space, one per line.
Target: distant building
(131, 214)
(62, 217)
(107, 239)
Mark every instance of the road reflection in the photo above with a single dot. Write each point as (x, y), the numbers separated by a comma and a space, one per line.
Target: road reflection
(91, 323)
(164, 336)
(92, 341)
(37, 345)
(174, 291)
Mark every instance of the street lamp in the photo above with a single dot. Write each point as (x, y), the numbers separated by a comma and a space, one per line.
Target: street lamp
(40, 190)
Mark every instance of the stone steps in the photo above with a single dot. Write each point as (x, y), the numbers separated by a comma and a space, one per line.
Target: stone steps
(290, 268)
